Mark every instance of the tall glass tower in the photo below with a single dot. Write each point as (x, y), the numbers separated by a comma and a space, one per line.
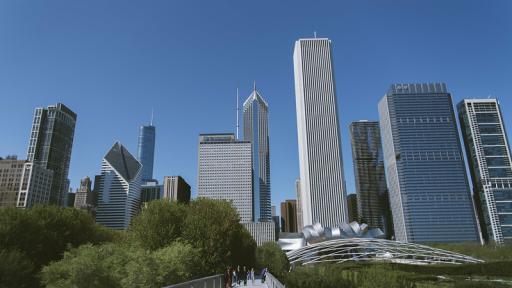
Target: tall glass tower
(51, 141)
(322, 185)
(372, 192)
(146, 151)
(426, 175)
(256, 131)
(490, 163)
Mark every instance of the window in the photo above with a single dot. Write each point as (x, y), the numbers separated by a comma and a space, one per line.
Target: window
(489, 129)
(500, 172)
(496, 161)
(487, 118)
(495, 151)
(492, 140)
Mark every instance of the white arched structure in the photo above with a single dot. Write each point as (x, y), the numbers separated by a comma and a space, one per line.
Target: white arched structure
(360, 249)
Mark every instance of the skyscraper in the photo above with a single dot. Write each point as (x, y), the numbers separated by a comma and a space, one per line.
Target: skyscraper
(372, 200)
(176, 189)
(322, 182)
(225, 172)
(289, 216)
(120, 184)
(256, 132)
(84, 196)
(490, 163)
(428, 186)
(50, 146)
(146, 151)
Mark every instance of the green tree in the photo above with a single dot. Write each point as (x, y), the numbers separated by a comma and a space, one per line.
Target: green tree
(158, 224)
(213, 227)
(16, 270)
(271, 256)
(43, 233)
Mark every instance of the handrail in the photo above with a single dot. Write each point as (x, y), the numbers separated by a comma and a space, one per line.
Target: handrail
(215, 281)
(272, 281)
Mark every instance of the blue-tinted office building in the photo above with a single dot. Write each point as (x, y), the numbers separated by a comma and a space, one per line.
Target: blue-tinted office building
(426, 176)
(146, 151)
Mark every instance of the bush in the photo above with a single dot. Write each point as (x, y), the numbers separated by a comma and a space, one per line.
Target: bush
(321, 276)
(112, 265)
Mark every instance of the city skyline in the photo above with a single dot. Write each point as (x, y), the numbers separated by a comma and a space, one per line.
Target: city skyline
(176, 146)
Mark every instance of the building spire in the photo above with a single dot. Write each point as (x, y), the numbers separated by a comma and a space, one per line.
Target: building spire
(254, 88)
(151, 123)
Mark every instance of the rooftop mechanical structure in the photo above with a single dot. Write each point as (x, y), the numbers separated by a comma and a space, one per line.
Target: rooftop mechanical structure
(355, 242)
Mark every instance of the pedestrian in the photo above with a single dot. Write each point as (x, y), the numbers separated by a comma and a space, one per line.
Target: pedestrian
(227, 278)
(263, 275)
(234, 279)
(238, 275)
(252, 275)
(244, 275)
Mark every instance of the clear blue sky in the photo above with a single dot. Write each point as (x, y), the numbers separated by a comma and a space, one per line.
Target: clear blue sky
(113, 61)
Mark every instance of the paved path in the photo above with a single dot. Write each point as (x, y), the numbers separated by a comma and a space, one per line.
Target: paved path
(257, 283)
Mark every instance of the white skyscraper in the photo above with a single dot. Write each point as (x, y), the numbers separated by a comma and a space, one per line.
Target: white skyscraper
(256, 131)
(225, 172)
(120, 185)
(322, 185)
(490, 163)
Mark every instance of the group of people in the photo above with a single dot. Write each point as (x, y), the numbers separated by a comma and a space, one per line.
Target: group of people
(234, 277)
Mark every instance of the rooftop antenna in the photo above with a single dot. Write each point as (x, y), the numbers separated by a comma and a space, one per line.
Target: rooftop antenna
(151, 123)
(314, 33)
(254, 87)
(237, 112)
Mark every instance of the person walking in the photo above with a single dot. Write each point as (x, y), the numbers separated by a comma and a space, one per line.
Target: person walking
(244, 275)
(227, 278)
(263, 274)
(234, 279)
(238, 275)
(252, 275)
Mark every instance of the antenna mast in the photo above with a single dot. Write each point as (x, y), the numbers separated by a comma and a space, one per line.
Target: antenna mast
(237, 113)
(151, 123)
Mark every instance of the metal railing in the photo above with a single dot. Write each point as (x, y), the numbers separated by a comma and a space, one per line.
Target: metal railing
(272, 281)
(216, 281)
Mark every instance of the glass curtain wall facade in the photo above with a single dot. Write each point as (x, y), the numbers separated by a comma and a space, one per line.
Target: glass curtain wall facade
(490, 163)
(323, 193)
(51, 141)
(425, 171)
(146, 151)
(255, 113)
(372, 199)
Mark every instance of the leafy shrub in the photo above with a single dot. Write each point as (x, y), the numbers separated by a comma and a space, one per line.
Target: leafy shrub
(270, 256)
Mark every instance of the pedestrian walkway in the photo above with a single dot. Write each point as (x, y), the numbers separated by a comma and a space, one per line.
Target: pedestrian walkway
(257, 283)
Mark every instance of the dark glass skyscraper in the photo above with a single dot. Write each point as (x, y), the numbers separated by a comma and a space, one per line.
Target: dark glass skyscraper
(146, 151)
(256, 131)
(50, 146)
(426, 175)
(490, 163)
(372, 199)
